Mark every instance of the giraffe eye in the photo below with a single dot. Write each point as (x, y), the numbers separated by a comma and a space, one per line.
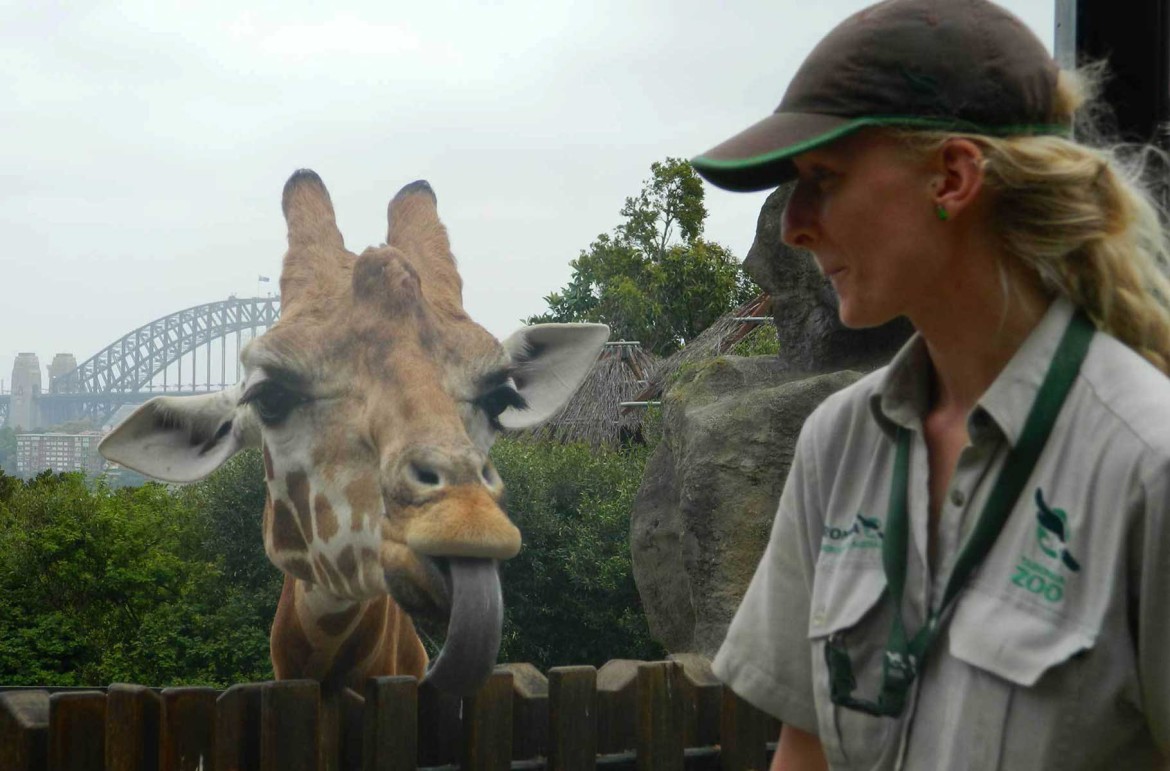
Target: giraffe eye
(272, 401)
(500, 398)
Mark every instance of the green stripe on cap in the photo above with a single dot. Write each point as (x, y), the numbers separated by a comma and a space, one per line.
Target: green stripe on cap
(940, 124)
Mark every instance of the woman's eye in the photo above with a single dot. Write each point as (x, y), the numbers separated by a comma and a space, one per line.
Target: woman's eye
(500, 398)
(273, 402)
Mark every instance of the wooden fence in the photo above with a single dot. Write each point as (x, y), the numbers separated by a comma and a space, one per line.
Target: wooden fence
(626, 716)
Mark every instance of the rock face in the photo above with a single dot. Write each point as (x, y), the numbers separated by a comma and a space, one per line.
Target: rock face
(704, 510)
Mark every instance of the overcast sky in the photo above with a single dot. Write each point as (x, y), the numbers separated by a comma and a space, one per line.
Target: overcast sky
(145, 145)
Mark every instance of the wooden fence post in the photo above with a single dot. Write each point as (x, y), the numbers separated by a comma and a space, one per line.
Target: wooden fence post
(572, 726)
(529, 711)
(660, 732)
(487, 725)
(617, 691)
(132, 727)
(237, 728)
(439, 721)
(24, 730)
(745, 733)
(290, 724)
(77, 731)
(390, 733)
(188, 729)
(702, 700)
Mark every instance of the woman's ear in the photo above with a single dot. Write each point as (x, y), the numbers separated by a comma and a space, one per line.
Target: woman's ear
(959, 176)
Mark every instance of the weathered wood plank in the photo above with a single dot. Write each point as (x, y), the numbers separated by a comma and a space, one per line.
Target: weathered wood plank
(290, 724)
(188, 729)
(529, 711)
(487, 725)
(745, 732)
(352, 715)
(237, 728)
(77, 731)
(572, 696)
(660, 730)
(438, 719)
(617, 691)
(133, 715)
(702, 700)
(24, 730)
(390, 732)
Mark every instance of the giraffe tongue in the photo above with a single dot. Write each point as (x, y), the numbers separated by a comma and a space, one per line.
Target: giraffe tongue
(473, 633)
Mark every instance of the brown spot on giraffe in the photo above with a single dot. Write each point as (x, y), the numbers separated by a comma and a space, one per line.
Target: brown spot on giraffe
(268, 472)
(326, 519)
(365, 498)
(361, 644)
(298, 493)
(298, 567)
(334, 624)
(286, 533)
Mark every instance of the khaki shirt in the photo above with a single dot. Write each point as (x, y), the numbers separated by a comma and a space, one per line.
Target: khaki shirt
(1056, 654)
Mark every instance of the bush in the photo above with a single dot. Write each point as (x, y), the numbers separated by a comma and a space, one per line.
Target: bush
(167, 586)
(569, 596)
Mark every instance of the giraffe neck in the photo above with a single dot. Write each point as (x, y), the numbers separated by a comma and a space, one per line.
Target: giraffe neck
(339, 642)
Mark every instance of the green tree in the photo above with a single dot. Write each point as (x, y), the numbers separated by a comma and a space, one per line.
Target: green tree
(654, 279)
(569, 596)
(102, 585)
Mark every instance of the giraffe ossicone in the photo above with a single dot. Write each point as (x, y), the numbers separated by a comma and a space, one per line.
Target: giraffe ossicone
(375, 400)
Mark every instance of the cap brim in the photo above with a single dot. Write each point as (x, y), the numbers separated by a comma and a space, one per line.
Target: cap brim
(760, 157)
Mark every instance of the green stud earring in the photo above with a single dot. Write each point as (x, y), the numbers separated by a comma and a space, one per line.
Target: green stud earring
(942, 213)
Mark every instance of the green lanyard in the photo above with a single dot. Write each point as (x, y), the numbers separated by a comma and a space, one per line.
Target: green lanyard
(904, 657)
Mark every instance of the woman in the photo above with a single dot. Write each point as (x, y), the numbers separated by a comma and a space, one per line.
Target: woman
(970, 560)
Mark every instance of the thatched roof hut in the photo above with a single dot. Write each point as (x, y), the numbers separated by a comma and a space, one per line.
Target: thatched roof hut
(594, 414)
(715, 340)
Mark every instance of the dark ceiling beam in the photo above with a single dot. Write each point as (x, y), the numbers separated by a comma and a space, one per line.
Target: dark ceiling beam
(1134, 36)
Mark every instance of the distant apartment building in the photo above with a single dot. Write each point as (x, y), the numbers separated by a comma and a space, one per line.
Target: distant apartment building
(58, 452)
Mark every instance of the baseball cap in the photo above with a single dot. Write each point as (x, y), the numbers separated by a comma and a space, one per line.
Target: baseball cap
(950, 65)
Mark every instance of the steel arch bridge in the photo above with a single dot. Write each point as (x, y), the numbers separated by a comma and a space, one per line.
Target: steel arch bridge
(126, 371)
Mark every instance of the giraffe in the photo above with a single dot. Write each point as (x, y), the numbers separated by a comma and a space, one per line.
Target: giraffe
(374, 399)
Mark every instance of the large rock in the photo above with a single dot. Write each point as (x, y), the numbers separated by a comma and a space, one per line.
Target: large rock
(704, 509)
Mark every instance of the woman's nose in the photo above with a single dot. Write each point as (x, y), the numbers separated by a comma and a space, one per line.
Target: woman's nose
(798, 226)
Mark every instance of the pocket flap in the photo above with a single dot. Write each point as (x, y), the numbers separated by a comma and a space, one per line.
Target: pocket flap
(1016, 643)
(842, 595)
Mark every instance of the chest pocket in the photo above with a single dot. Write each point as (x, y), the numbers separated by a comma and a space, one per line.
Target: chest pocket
(849, 605)
(1010, 641)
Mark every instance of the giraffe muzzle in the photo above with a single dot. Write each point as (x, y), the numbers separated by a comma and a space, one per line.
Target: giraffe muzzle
(473, 632)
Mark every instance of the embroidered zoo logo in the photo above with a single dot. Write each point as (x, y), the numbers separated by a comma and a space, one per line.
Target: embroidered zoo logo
(1044, 575)
(865, 533)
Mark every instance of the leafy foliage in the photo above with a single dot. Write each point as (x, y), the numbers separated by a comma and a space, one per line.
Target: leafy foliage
(103, 585)
(654, 279)
(569, 596)
(170, 586)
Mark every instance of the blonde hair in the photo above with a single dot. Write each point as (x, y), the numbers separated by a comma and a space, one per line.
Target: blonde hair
(1082, 218)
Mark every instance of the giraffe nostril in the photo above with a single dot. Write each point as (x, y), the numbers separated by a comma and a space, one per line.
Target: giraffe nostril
(488, 474)
(424, 476)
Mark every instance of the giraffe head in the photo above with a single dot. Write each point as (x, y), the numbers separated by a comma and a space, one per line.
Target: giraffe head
(375, 400)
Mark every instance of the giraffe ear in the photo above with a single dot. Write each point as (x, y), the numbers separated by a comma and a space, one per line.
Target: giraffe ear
(549, 362)
(181, 438)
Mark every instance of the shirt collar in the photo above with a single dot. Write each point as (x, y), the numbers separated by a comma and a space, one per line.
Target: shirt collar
(903, 393)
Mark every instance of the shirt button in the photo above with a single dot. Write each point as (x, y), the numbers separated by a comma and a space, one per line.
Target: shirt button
(957, 496)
